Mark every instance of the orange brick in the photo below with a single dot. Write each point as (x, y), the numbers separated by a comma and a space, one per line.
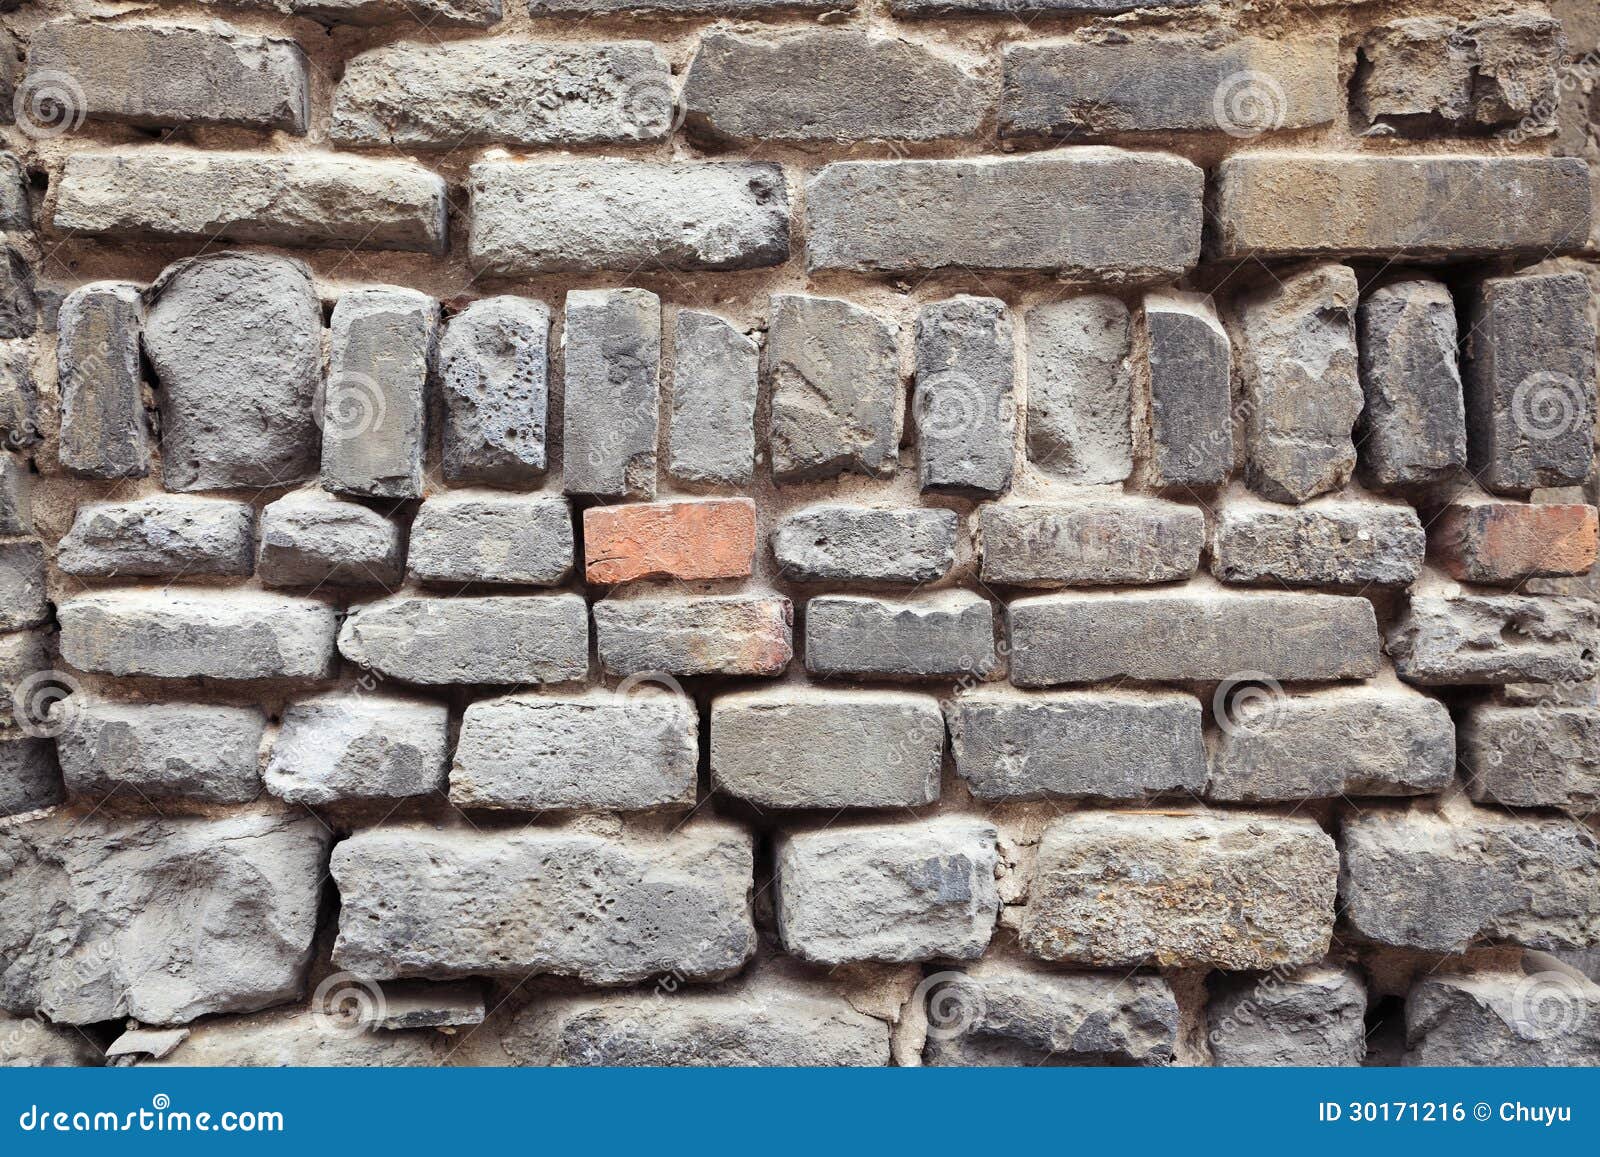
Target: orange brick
(1507, 542)
(683, 540)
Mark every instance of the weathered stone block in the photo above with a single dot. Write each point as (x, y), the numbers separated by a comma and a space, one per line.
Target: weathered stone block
(160, 751)
(366, 13)
(417, 901)
(1413, 429)
(866, 544)
(493, 375)
(16, 495)
(576, 215)
(1443, 639)
(890, 892)
(584, 9)
(1010, 745)
(808, 747)
(22, 654)
(601, 752)
(496, 639)
(181, 634)
(29, 775)
(302, 1038)
(104, 432)
(1092, 543)
(915, 8)
(484, 536)
(1548, 1017)
(1091, 213)
(1090, 638)
(310, 538)
(16, 211)
(732, 635)
(715, 378)
(19, 397)
(1442, 882)
(1315, 1016)
(837, 399)
(944, 635)
(1230, 892)
(1507, 543)
(450, 94)
(1329, 544)
(710, 539)
(236, 343)
(1533, 757)
(612, 391)
(34, 1043)
(162, 920)
(1190, 371)
(24, 600)
(1327, 744)
(1080, 389)
(966, 414)
(361, 747)
(165, 535)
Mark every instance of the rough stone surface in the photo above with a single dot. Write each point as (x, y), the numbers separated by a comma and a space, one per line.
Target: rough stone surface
(715, 379)
(710, 539)
(832, 543)
(1222, 891)
(1119, 745)
(1313, 1017)
(162, 920)
(1545, 756)
(884, 748)
(1468, 639)
(16, 213)
(1080, 389)
(1329, 544)
(422, 902)
(1507, 543)
(731, 635)
(1441, 882)
(1093, 543)
(344, 747)
(29, 775)
(16, 495)
(600, 752)
(492, 374)
(19, 396)
(915, 8)
(33, 1043)
(299, 1038)
(104, 431)
(966, 415)
(310, 538)
(486, 536)
(421, 1004)
(1189, 362)
(947, 634)
(612, 390)
(1548, 1017)
(496, 639)
(22, 654)
(893, 892)
(363, 13)
(24, 601)
(171, 536)
(157, 751)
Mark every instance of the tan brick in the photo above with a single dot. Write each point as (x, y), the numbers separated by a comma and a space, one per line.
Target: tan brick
(683, 540)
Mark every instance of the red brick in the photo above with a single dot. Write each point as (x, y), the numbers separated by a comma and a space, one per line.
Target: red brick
(683, 540)
(1507, 542)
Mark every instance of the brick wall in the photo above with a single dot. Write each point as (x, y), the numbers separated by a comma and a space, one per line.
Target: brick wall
(760, 531)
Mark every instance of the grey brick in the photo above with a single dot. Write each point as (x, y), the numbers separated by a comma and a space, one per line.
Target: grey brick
(183, 633)
(462, 536)
(1522, 1018)
(1344, 742)
(157, 75)
(24, 601)
(1189, 362)
(294, 1037)
(444, 13)
(1533, 757)
(1089, 638)
(1413, 429)
(161, 751)
(1329, 544)
(450, 94)
(375, 403)
(730, 635)
(19, 308)
(1080, 389)
(1470, 639)
(613, 392)
(966, 413)
(309, 537)
(493, 374)
(16, 495)
(1222, 891)
(1442, 882)
(896, 893)
(676, 903)
(497, 639)
(216, 322)
(164, 535)
(583, 9)
(800, 747)
(424, 1004)
(1383, 206)
(1118, 745)
(29, 777)
(19, 398)
(16, 211)
(24, 654)
(833, 84)
(1313, 1017)
(305, 199)
(600, 752)
(865, 544)
(579, 215)
(1094, 213)
(1180, 83)
(837, 398)
(944, 635)
(715, 378)
(1530, 382)
(914, 8)
(358, 746)
(1302, 386)
(104, 432)
(1090, 543)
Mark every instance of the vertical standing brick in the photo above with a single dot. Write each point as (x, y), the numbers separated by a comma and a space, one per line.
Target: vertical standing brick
(16, 489)
(1413, 428)
(677, 540)
(1080, 389)
(493, 362)
(836, 398)
(23, 601)
(16, 213)
(375, 407)
(1510, 542)
(1530, 382)
(19, 399)
(19, 309)
(1301, 387)
(965, 413)
(613, 390)
(29, 775)
(715, 374)
(103, 429)
(1190, 367)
